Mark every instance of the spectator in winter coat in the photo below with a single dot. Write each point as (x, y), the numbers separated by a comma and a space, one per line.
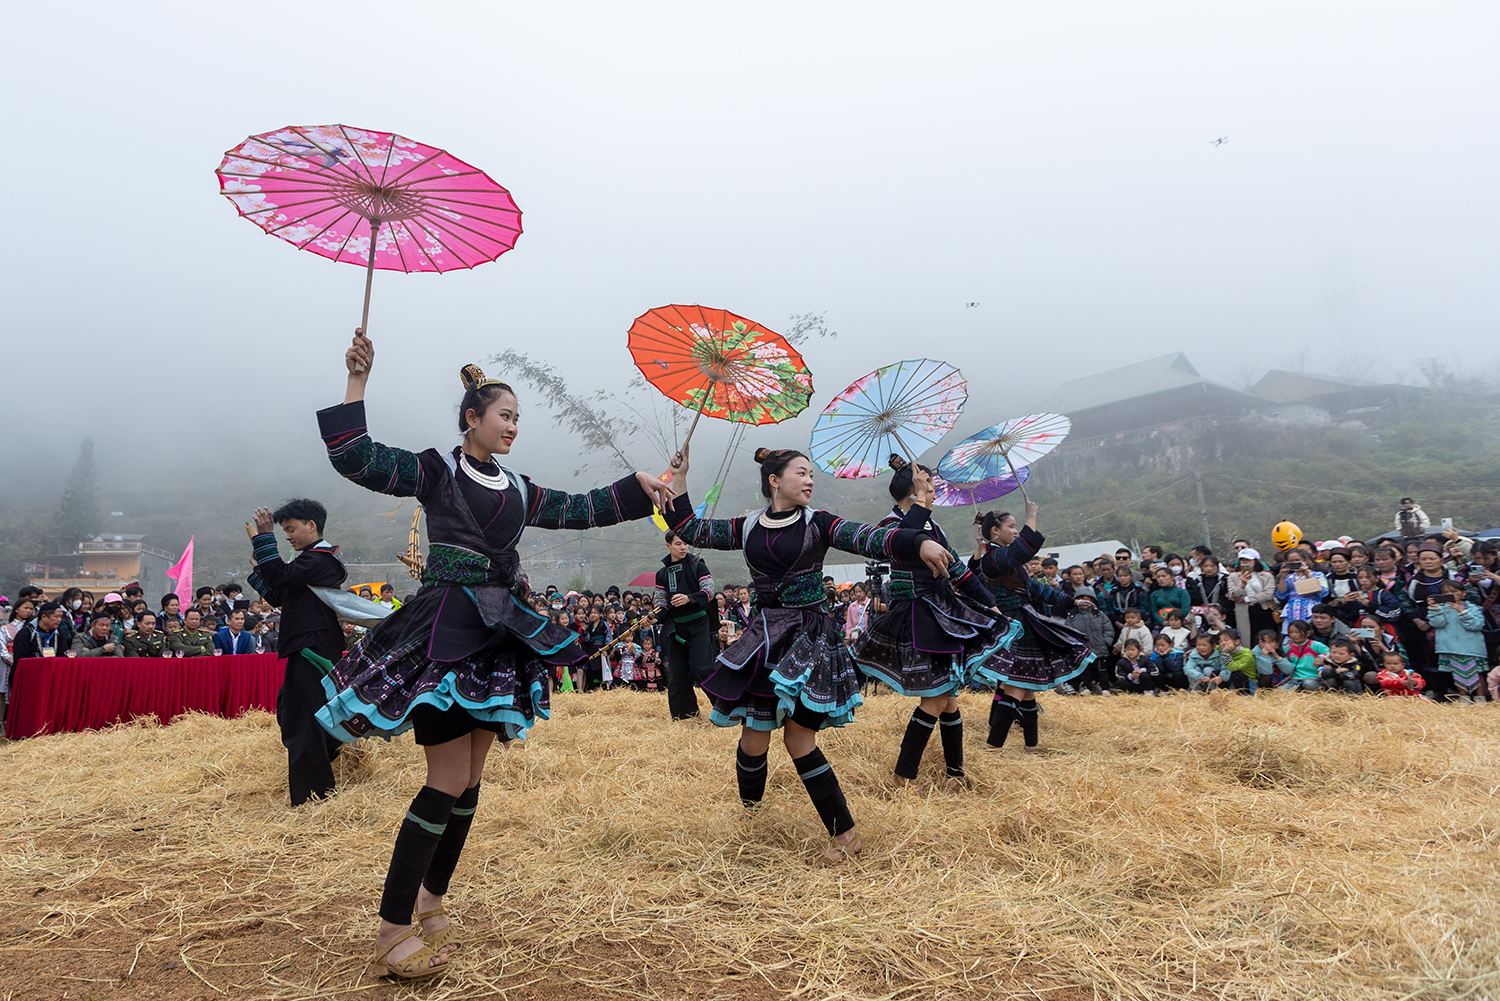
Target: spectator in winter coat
(1134, 673)
(99, 640)
(1133, 629)
(1396, 679)
(1411, 521)
(1165, 598)
(1097, 630)
(1252, 590)
(1299, 588)
(1325, 626)
(1120, 594)
(1168, 664)
(1239, 662)
(1268, 659)
(1178, 632)
(1204, 666)
(1459, 625)
(1341, 670)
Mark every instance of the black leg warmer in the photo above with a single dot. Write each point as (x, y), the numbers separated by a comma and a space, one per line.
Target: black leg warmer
(750, 769)
(952, 731)
(918, 732)
(1028, 711)
(451, 845)
(1002, 714)
(415, 844)
(823, 788)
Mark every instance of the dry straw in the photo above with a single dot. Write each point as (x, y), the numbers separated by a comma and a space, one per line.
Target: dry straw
(1185, 847)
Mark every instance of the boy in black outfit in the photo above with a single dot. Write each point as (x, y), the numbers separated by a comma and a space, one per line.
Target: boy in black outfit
(308, 627)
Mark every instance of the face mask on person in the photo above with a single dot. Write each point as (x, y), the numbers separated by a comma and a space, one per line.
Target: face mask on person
(1176, 569)
(75, 604)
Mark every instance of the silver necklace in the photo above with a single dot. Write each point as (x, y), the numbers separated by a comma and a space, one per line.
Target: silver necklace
(496, 482)
(768, 520)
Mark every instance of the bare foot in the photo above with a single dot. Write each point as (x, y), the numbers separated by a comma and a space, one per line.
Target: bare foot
(842, 846)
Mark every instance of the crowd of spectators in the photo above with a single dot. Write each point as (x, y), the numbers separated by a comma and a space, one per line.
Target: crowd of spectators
(1416, 616)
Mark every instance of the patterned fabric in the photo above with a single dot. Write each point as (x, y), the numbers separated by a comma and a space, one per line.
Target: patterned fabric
(1046, 654)
(799, 660)
(715, 534)
(890, 653)
(451, 565)
(374, 466)
(601, 506)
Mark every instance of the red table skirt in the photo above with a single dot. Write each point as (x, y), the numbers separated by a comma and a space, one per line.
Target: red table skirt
(62, 694)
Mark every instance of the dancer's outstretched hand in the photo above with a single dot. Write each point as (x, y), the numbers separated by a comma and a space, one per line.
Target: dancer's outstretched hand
(263, 522)
(361, 354)
(657, 489)
(680, 464)
(936, 558)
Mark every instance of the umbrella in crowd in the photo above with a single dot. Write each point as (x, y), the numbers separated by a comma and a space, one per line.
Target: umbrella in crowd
(960, 494)
(370, 198)
(1003, 448)
(903, 408)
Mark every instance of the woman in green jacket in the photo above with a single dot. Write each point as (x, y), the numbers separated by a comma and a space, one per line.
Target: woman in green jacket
(1167, 596)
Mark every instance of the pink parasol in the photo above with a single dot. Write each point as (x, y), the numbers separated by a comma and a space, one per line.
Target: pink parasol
(330, 189)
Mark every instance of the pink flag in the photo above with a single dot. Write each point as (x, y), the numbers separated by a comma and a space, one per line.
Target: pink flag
(182, 573)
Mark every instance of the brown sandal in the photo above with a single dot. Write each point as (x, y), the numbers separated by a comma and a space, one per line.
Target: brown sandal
(417, 966)
(448, 935)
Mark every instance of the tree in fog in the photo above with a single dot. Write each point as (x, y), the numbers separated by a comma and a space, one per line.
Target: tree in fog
(78, 515)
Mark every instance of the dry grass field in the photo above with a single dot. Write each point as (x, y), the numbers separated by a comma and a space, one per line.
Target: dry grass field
(1187, 847)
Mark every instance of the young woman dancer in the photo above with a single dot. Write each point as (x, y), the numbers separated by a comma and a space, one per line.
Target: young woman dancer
(466, 658)
(933, 632)
(790, 669)
(1047, 653)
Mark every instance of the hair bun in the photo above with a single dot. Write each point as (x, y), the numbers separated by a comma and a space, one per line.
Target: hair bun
(896, 462)
(762, 454)
(472, 376)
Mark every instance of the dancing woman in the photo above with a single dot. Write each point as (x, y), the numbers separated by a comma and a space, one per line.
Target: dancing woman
(466, 658)
(934, 631)
(790, 669)
(1047, 653)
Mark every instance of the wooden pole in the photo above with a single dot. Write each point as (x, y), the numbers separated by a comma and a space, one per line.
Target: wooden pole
(1017, 475)
(364, 318)
(694, 426)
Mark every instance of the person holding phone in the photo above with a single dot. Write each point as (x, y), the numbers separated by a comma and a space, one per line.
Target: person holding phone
(1458, 639)
(1299, 588)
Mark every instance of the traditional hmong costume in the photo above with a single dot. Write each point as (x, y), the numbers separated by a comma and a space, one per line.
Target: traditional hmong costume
(1046, 654)
(687, 630)
(934, 631)
(790, 662)
(466, 652)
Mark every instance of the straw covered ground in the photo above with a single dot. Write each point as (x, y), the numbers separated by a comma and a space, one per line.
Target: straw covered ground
(1183, 847)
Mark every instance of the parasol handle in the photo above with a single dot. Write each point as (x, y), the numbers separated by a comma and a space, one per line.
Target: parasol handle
(1017, 475)
(694, 426)
(364, 319)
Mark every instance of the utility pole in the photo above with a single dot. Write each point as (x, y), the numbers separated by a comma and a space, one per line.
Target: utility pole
(1202, 508)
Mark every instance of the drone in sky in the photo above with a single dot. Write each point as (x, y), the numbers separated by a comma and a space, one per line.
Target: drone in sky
(970, 305)
(1220, 141)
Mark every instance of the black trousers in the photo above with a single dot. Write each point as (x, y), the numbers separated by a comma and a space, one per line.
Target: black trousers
(310, 749)
(690, 655)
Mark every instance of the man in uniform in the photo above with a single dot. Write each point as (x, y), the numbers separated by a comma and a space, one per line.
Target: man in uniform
(309, 629)
(145, 641)
(192, 640)
(685, 602)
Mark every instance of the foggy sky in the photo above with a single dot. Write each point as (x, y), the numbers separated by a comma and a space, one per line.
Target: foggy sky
(885, 163)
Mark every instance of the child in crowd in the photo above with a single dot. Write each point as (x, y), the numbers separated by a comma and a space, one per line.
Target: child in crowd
(1341, 670)
(626, 656)
(1396, 679)
(1270, 665)
(1305, 655)
(1133, 673)
(1239, 662)
(650, 663)
(1204, 665)
(1134, 629)
(1176, 629)
(1168, 663)
(1459, 641)
(1086, 617)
